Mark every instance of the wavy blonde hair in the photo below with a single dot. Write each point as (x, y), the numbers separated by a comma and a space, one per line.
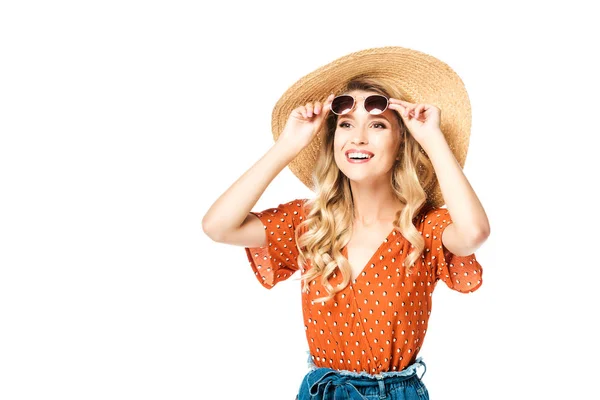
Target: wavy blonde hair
(329, 215)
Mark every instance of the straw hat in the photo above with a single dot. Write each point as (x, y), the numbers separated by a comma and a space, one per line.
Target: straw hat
(423, 79)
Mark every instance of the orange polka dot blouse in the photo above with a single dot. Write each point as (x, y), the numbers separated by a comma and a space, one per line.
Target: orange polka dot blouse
(378, 322)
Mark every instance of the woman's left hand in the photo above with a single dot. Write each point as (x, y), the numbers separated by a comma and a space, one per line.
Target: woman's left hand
(422, 120)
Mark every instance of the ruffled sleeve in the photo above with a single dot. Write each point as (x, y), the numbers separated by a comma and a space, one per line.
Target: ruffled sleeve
(277, 260)
(461, 273)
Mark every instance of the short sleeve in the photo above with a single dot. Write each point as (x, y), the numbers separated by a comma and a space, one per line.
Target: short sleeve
(278, 259)
(461, 273)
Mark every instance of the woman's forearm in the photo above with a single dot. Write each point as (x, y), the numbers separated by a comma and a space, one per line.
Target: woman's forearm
(230, 210)
(467, 211)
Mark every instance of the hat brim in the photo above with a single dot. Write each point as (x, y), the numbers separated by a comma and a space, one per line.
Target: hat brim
(423, 79)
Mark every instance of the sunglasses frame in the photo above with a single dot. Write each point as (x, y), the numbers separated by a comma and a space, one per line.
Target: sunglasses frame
(387, 103)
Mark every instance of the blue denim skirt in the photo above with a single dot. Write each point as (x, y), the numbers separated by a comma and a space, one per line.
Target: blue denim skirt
(330, 384)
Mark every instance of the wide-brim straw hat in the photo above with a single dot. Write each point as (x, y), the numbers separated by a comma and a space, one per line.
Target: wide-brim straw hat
(422, 78)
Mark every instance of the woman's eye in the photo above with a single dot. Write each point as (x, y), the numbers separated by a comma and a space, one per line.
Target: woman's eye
(344, 125)
(379, 125)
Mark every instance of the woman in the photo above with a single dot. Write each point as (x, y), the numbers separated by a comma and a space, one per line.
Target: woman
(373, 242)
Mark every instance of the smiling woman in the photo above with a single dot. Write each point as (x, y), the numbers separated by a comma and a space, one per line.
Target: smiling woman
(374, 241)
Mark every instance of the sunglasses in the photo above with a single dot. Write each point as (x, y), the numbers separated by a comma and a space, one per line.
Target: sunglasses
(374, 104)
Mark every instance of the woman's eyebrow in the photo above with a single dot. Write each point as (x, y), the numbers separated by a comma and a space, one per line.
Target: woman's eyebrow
(371, 116)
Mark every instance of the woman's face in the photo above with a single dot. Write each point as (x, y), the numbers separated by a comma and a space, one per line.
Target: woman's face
(378, 136)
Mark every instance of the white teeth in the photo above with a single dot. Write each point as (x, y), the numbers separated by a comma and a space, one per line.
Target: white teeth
(358, 155)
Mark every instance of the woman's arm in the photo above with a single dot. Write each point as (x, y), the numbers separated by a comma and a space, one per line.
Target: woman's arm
(229, 220)
(470, 227)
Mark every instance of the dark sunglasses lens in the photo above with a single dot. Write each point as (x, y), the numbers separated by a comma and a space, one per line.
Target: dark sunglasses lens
(342, 104)
(376, 104)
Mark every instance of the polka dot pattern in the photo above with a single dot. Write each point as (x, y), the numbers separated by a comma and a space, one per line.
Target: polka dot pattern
(378, 322)
(277, 260)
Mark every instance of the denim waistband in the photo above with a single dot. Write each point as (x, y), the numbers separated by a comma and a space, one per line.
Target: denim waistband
(409, 370)
(327, 383)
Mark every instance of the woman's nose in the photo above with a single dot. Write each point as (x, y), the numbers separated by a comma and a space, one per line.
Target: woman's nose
(360, 135)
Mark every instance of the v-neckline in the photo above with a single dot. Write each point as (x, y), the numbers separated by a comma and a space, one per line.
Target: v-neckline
(370, 261)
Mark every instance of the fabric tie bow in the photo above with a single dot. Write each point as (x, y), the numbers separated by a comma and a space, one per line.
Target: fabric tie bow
(332, 386)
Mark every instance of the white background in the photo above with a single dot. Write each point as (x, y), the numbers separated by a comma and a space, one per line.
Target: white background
(121, 122)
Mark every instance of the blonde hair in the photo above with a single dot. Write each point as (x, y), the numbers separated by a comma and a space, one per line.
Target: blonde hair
(327, 227)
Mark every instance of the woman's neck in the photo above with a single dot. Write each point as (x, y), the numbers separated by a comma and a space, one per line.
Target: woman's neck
(374, 205)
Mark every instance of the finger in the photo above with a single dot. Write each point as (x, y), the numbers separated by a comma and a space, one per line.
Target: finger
(399, 108)
(407, 108)
(317, 108)
(404, 103)
(405, 111)
(301, 112)
(326, 108)
(418, 110)
(309, 110)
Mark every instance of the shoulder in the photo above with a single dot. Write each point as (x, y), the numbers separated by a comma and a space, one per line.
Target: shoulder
(436, 214)
(433, 217)
(295, 205)
(298, 202)
(431, 214)
(294, 209)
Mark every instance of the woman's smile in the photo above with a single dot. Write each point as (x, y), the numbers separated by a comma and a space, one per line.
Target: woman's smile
(354, 156)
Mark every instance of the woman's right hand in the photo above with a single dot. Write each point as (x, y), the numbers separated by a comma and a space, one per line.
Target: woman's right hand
(304, 122)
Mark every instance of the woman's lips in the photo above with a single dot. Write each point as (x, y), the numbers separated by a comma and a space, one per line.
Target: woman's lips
(355, 152)
(358, 160)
